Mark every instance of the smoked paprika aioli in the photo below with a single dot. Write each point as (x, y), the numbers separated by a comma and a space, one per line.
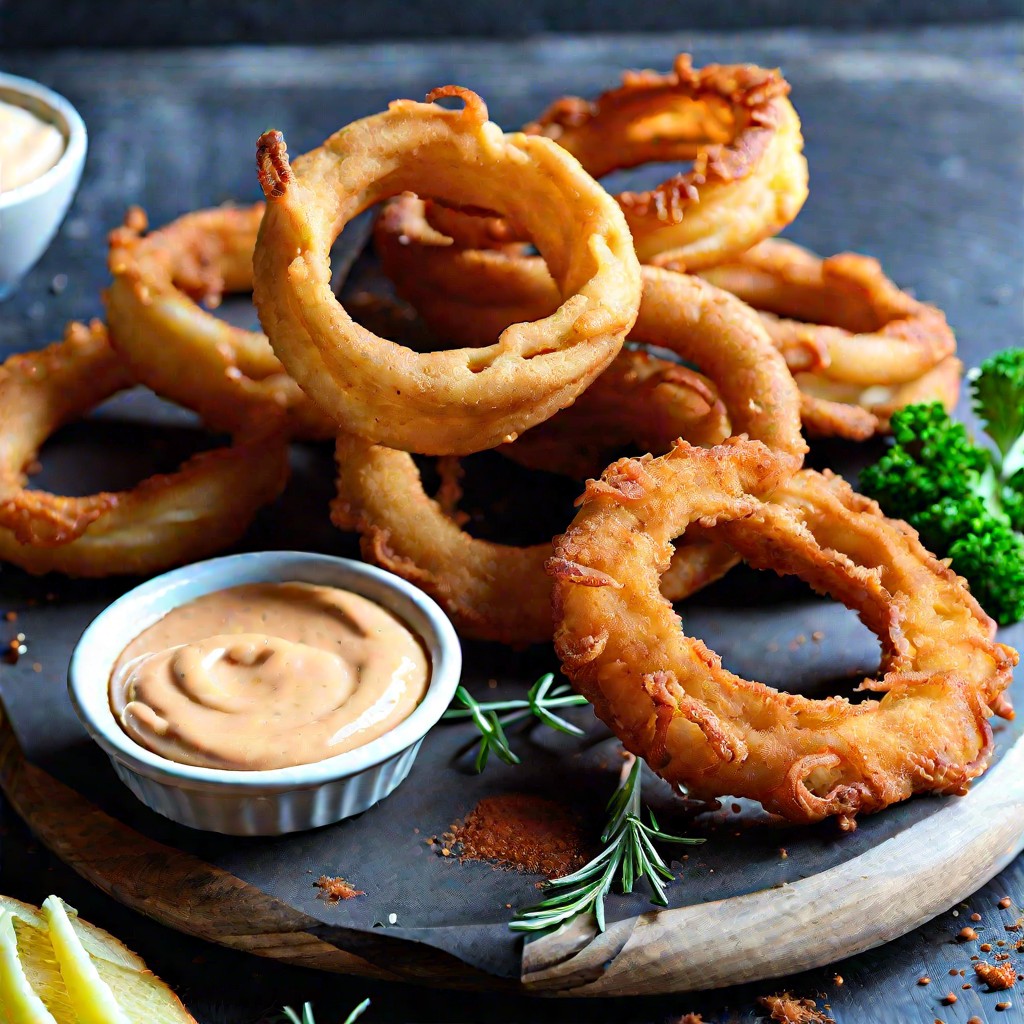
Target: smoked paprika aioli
(268, 675)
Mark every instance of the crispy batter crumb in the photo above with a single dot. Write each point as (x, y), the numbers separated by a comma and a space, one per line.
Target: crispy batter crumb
(783, 853)
(998, 977)
(948, 999)
(11, 616)
(837, 980)
(689, 1018)
(967, 934)
(975, 917)
(334, 890)
(924, 980)
(520, 831)
(986, 947)
(787, 1009)
(1004, 1006)
(1005, 903)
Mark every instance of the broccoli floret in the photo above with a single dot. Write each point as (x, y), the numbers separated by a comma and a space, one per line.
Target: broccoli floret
(992, 562)
(1012, 498)
(966, 501)
(933, 458)
(997, 387)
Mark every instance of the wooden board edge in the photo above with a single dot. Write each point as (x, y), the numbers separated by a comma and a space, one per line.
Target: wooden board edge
(191, 895)
(901, 883)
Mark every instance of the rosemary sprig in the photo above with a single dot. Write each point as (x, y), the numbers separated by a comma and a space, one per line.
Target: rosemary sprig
(541, 701)
(307, 1014)
(628, 855)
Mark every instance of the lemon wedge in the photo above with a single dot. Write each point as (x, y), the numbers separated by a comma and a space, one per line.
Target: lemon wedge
(19, 1003)
(90, 995)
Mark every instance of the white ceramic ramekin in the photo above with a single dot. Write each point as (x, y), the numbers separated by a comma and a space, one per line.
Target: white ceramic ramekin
(31, 213)
(279, 800)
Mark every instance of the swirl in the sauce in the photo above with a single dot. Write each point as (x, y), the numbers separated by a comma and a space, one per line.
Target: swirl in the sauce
(266, 676)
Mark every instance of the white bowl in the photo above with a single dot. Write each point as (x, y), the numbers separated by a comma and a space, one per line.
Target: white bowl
(278, 800)
(31, 213)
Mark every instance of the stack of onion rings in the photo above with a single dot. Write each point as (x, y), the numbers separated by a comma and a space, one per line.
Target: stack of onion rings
(381, 496)
(696, 724)
(458, 400)
(850, 380)
(165, 520)
(174, 346)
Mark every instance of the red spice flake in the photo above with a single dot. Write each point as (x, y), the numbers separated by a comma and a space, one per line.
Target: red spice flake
(967, 935)
(521, 832)
(998, 977)
(334, 890)
(1005, 903)
(948, 999)
(786, 1009)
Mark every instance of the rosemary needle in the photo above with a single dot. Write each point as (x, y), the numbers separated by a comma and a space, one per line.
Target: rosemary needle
(307, 1014)
(629, 854)
(492, 718)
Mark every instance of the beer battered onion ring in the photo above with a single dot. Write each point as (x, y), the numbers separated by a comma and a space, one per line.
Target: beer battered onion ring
(175, 347)
(466, 293)
(165, 520)
(380, 495)
(737, 125)
(852, 337)
(734, 122)
(669, 699)
(458, 400)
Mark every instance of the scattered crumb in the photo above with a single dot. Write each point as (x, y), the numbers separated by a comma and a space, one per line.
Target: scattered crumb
(334, 890)
(924, 980)
(392, 918)
(998, 977)
(689, 1018)
(787, 1009)
(1005, 903)
(837, 980)
(975, 917)
(1004, 1006)
(11, 616)
(817, 636)
(783, 853)
(948, 999)
(37, 667)
(986, 947)
(967, 935)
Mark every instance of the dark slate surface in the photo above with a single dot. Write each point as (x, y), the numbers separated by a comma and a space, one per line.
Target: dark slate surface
(205, 22)
(915, 148)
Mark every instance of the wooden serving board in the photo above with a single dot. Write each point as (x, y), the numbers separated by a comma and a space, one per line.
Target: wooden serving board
(758, 899)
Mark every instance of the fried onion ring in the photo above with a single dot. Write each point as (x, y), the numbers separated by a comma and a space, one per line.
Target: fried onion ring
(178, 349)
(839, 318)
(167, 519)
(458, 400)
(669, 699)
(737, 125)
(498, 591)
(465, 292)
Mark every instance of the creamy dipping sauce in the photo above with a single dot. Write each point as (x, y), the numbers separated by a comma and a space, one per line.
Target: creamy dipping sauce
(268, 675)
(29, 146)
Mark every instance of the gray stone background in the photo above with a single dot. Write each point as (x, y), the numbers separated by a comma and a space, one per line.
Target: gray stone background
(57, 23)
